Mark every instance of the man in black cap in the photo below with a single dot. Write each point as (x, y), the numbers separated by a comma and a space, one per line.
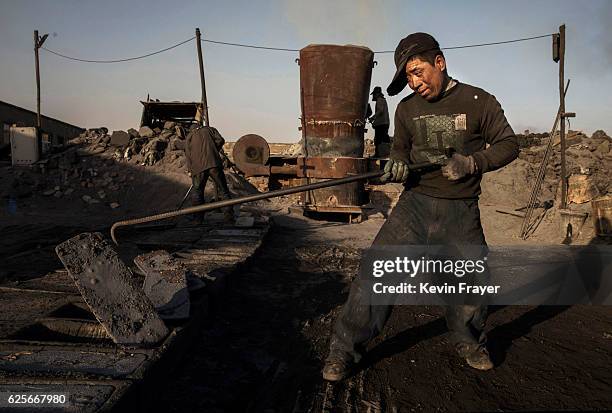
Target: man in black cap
(379, 120)
(441, 117)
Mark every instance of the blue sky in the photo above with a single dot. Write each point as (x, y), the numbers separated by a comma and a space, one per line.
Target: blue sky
(256, 91)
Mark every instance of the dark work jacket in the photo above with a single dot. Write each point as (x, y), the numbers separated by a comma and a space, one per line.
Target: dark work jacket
(465, 118)
(202, 149)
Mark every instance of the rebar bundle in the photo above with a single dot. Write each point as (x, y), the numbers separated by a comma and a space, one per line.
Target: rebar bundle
(528, 226)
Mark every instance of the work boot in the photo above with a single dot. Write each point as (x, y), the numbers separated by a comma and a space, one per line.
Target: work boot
(476, 356)
(337, 368)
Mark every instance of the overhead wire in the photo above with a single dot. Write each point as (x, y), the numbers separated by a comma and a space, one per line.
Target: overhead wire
(269, 48)
(250, 46)
(482, 44)
(120, 60)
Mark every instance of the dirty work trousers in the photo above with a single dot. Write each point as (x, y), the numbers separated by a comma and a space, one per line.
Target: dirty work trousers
(416, 220)
(381, 135)
(221, 188)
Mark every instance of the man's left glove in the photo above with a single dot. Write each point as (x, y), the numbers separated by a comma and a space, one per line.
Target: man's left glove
(459, 166)
(395, 171)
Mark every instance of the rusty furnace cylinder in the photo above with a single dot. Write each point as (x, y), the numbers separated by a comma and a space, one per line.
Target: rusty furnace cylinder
(334, 91)
(335, 87)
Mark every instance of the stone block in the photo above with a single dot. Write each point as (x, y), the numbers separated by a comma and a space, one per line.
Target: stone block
(110, 290)
(146, 132)
(119, 138)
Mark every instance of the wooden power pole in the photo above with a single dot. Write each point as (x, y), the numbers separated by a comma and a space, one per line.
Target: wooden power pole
(559, 56)
(38, 42)
(562, 109)
(202, 79)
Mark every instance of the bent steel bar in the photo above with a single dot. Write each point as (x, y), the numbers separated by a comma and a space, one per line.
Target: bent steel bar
(255, 197)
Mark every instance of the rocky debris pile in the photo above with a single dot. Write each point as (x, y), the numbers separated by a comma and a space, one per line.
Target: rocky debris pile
(588, 165)
(102, 169)
(295, 149)
(74, 174)
(588, 161)
(145, 146)
(89, 166)
(529, 139)
(261, 183)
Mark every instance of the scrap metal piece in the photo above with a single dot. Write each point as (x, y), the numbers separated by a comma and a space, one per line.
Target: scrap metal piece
(250, 153)
(110, 291)
(165, 284)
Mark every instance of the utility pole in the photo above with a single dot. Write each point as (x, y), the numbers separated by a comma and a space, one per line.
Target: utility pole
(202, 79)
(38, 42)
(562, 106)
(559, 56)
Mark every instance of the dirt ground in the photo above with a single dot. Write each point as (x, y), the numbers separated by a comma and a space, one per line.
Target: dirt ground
(264, 348)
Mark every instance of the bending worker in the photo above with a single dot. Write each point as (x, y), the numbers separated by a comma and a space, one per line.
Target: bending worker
(202, 147)
(438, 207)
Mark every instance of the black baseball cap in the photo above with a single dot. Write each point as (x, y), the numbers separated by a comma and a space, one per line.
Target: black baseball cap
(409, 46)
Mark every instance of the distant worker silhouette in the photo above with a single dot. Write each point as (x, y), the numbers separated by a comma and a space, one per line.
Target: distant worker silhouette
(379, 120)
(202, 148)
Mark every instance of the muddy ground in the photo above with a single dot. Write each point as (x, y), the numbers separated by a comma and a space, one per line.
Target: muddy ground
(264, 348)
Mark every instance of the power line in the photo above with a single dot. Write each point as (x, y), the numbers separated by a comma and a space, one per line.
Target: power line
(382, 51)
(119, 60)
(482, 44)
(251, 46)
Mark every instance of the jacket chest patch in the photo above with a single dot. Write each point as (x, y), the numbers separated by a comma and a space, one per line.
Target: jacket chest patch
(461, 122)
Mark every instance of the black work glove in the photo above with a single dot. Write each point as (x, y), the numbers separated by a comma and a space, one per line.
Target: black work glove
(459, 166)
(395, 171)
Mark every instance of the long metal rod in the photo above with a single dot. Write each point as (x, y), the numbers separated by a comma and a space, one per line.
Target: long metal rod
(525, 227)
(185, 197)
(255, 197)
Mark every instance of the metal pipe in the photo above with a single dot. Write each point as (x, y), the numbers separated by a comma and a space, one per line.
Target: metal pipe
(255, 197)
(525, 227)
(185, 197)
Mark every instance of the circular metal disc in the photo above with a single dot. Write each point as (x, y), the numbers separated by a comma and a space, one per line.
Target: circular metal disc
(251, 149)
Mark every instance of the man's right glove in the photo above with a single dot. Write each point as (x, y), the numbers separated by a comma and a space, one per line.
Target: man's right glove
(395, 171)
(459, 166)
